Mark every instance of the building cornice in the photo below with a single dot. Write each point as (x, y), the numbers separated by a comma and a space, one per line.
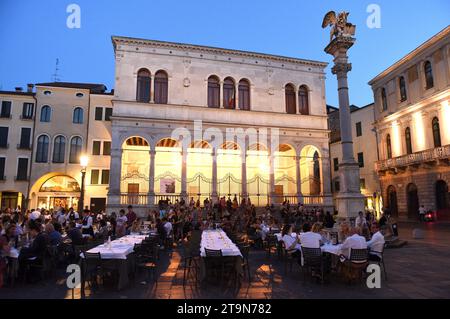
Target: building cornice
(214, 50)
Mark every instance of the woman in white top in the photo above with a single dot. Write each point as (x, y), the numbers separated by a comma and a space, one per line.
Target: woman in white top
(121, 224)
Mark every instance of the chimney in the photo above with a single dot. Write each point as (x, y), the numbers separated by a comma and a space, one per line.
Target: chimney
(19, 89)
(30, 88)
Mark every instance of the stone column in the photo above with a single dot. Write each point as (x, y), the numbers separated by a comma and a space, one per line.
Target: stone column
(115, 178)
(184, 175)
(244, 193)
(221, 95)
(272, 176)
(349, 200)
(298, 179)
(151, 179)
(214, 195)
(236, 96)
(152, 91)
(326, 182)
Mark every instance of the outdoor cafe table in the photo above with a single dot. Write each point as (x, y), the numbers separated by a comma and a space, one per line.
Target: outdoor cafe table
(119, 256)
(218, 240)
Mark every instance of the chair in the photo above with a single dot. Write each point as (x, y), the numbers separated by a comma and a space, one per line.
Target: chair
(377, 257)
(189, 261)
(313, 261)
(356, 264)
(245, 250)
(147, 257)
(270, 242)
(92, 267)
(287, 256)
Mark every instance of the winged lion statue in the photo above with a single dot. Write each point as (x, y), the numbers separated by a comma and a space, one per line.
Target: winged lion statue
(339, 24)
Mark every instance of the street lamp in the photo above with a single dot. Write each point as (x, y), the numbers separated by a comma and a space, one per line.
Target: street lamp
(83, 162)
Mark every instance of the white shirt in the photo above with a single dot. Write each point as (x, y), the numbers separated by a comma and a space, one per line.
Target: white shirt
(376, 243)
(289, 241)
(88, 223)
(422, 211)
(353, 242)
(310, 240)
(360, 221)
(168, 227)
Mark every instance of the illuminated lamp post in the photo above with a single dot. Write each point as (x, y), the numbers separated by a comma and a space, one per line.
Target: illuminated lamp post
(83, 162)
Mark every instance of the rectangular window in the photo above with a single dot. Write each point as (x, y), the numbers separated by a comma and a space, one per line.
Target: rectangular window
(358, 129)
(6, 109)
(361, 159)
(106, 148)
(108, 113)
(22, 169)
(362, 183)
(27, 111)
(98, 113)
(25, 138)
(96, 147)
(94, 176)
(336, 164)
(105, 177)
(337, 186)
(2, 168)
(4, 137)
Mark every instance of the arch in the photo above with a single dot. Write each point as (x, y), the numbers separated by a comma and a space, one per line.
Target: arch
(303, 100)
(402, 87)
(168, 166)
(143, 86)
(43, 143)
(76, 145)
(258, 173)
(436, 132)
(258, 147)
(290, 99)
(213, 91)
(59, 149)
(229, 169)
(408, 142)
(161, 87)
(311, 170)
(199, 164)
(244, 94)
(285, 171)
(46, 114)
(135, 165)
(136, 141)
(168, 142)
(388, 146)
(391, 203)
(77, 116)
(429, 78)
(412, 200)
(59, 183)
(200, 145)
(229, 93)
(384, 103)
(230, 146)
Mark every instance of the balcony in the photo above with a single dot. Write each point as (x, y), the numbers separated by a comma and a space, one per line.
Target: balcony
(428, 156)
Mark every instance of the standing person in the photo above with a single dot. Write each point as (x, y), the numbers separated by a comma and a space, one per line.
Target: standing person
(131, 217)
(121, 224)
(87, 223)
(422, 213)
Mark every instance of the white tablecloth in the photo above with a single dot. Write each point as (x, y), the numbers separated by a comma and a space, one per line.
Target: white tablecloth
(120, 248)
(217, 239)
(332, 249)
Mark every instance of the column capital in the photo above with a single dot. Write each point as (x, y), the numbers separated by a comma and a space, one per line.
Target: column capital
(341, 68)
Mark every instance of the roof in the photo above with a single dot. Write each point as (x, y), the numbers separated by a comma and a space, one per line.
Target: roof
(216, 50)
(434, 39)
(93, 87)
(17, 93)
(353, 108)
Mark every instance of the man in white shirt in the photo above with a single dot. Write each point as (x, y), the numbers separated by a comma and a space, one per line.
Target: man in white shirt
(376, 243)
(355, 241)
(167, 226)
(422, 213)
(308, 238)
(361, 221)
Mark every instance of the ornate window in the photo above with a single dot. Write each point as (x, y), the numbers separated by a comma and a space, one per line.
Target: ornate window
(303, 100)
(408, 141)
(213, 91)
(59, 149)
(291, 105)
(429, 80)
(76, 145)
(161, 87)
(42, 149)
(143, 86)
(436, 133)
(388, 147)
(46, 113)
(229, 94)
(78, 116)
(402, 86)
(244, 95)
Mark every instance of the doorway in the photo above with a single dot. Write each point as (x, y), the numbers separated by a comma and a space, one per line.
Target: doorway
(412, 201)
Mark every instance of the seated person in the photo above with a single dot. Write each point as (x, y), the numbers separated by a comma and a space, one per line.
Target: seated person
(376, 243)
(311, 239)
(75, 235)
(103, 230)
(135, 228)
(35, 252)
(290, 242)
(54, 236)
(355, 241)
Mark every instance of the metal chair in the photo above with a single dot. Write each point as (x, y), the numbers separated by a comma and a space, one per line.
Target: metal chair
(92, 267)
(356, 264)
(288, 257)
(377, 257)
(270, 242)
(245, 250)
(313, 261)
(148, 259)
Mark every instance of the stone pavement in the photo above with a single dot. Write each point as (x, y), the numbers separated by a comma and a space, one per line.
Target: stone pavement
(418, 270)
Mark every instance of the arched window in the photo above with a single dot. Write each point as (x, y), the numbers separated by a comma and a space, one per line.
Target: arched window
(59, 149)
(75, 150)
(46, 113)
(78, 115)
(229, 94)
(402, 86)
(384, 103)
(143, 86)
(388, 146)
(291, 105)
(244, 95)
(42, 149)
(213, 91)
(436, 133)
(303, 100)
(161, 87)
(408, 141)
(429, 80)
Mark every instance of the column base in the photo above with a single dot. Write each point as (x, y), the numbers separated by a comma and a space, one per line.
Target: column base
(349, 205)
